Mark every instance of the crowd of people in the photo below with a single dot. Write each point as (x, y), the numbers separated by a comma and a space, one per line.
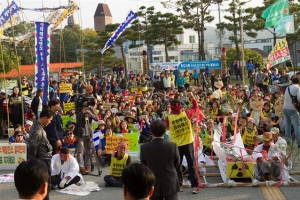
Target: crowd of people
(263, 109)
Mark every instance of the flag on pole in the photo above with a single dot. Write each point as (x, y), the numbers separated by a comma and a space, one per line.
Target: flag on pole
(42, 58)
(129, 19)
(9, 11)
(275, 12)
(280, 53)
(285, 25)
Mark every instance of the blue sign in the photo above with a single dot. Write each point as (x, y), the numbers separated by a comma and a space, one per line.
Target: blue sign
(189, 65)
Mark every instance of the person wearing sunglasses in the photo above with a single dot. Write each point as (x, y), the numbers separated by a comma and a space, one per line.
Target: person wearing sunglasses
(64, 169)
(19, 138)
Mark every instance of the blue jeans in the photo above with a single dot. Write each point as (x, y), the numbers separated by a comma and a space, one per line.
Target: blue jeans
(291, 117)
(113, 181)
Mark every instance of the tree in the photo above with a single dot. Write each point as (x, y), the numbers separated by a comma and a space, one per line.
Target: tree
(143, 29)
(231, 55)
(124, 37)
(9, 59)
(67, 42)
(195, 15)
(233, 24)
(166, 26)
(25, 48)
(93, 42)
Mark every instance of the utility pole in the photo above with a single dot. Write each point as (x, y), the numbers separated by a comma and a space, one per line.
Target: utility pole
(221, 31)
(243, 48)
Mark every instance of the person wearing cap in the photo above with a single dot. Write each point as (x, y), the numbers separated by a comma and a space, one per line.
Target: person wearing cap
(181, 132)
(249, 134)
(64, 169)
(277, 140)
(25, 87)
(268, 159)
(119, 160)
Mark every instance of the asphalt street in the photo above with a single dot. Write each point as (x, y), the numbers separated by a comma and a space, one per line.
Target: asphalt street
(8, 191)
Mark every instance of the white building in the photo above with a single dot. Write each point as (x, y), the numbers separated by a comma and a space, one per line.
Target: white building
(186, 51)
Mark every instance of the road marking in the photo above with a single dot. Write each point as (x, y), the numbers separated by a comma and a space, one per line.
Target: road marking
(272, 193)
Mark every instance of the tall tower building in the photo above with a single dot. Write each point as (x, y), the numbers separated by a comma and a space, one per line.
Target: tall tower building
(102, 17)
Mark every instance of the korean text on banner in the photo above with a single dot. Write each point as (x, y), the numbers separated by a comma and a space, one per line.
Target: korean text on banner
(65, 88)
(42, 53)
(131, 140)
(280, 53)
(11, 155)
(69, 106)
(9, 11)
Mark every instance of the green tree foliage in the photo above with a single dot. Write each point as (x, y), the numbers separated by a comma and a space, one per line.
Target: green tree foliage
(195, 15)
(232, 55)
(124, 37)
(236, 12)
(67, 40)
(260, 22)
(9, 59)
(166, 27)
(143, 30)
(25, 48)
(93, 42)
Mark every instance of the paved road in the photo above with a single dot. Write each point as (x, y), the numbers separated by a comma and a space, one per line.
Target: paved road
(8, 192)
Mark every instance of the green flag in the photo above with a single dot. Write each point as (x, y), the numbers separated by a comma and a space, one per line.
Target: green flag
(285, 25)
(275, 12)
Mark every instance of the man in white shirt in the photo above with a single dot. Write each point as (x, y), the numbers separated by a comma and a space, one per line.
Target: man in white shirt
(64, 169)
(291, 114)
(278, 141)
(167, 82)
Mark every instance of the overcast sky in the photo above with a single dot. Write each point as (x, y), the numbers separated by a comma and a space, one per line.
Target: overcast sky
(118, 8)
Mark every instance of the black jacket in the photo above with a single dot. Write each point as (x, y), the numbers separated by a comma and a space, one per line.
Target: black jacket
(54, 130)
(39, 146)
(166, 153)
(35, 104)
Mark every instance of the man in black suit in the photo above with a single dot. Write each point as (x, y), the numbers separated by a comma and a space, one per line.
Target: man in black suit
(166, 154)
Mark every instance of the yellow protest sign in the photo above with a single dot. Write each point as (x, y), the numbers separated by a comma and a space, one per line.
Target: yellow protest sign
(9, 84)
(280, 53)
(112, 143)
(69, 106)
(11, 155)
(65, 88)
(107, 106)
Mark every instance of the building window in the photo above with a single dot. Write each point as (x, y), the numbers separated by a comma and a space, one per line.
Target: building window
(156, 58)
(172, 57)
(171, 48)
(192, 39)
(267, 49)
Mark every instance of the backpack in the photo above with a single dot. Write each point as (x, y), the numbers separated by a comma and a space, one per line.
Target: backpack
(294, 100)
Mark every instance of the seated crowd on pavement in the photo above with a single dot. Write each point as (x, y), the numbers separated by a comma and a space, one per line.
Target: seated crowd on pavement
(138, 100)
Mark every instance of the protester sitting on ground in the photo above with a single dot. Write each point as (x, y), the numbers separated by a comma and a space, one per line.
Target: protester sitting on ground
(267, 157)
(249, 134)
(70, 140)
(124, 129)
(17, 127)
(105, 157)
(64, 169)
(119, 161)
(31, 179)
(138, 182)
